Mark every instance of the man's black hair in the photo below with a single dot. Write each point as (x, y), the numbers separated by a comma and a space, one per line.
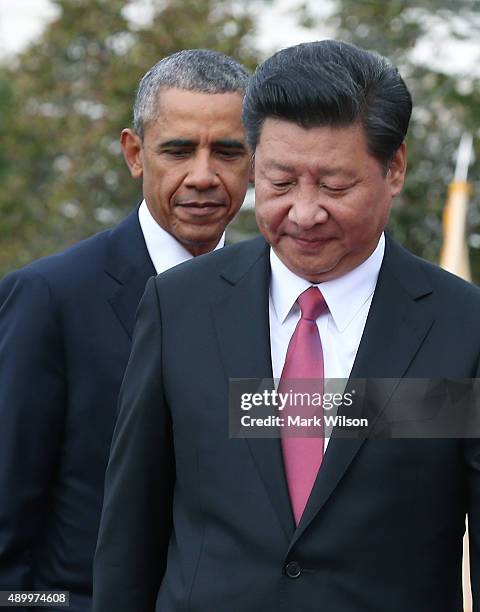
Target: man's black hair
(331, 83)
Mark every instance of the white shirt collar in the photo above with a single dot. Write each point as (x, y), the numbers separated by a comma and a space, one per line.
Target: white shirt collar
(164, 250)
(344, 295)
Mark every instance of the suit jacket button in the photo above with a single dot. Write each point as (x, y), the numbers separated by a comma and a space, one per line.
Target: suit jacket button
(293, 569)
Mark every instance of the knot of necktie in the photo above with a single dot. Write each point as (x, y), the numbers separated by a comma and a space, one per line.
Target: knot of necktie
(312, 304)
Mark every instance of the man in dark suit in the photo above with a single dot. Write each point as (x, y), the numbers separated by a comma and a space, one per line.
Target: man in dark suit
(66, 321)
(195, 519)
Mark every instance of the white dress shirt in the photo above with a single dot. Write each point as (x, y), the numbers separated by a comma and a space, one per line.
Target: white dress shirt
(348, 299)
(164, 250)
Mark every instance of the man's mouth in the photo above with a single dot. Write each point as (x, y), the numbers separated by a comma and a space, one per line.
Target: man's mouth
(201, 209)
(309, 242)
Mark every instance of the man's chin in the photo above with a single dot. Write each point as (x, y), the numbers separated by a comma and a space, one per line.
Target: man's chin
(199, 244)
(311, 270)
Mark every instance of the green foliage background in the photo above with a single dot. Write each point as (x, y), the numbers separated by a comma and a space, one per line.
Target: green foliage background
(65, 99)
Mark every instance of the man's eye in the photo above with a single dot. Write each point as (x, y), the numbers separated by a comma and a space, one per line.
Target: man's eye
(229, 153)
(335, 189)
(177, 153)
(283, 184)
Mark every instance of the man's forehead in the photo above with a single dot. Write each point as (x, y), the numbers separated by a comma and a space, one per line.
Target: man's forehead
(312, 165)
(269, 160)
(274, 127)
(286, 146)
(195, 116)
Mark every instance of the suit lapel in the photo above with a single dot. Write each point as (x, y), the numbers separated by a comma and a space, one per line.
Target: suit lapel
(398, 322)
(129, 264)
(242, 323)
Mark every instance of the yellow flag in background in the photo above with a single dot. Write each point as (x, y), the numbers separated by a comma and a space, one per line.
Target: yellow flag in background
(454, 253)
(454, 258)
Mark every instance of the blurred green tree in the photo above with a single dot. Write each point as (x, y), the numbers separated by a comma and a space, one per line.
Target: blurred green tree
(69, 95)
(65, 99)
(6, 110)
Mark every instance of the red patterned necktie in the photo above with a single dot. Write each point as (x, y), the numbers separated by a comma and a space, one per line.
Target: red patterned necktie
(302, 456)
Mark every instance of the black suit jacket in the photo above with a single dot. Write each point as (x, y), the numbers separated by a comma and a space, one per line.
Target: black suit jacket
(65, 335)
(195, 521)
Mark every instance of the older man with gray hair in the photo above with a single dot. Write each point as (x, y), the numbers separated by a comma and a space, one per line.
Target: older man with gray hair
(66, 321)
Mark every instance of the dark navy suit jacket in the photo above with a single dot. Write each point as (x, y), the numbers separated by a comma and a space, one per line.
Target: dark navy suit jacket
(196, 521)
(65, 334)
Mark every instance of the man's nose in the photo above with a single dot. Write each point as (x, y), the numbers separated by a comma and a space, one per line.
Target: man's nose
(202, 173)
(307, 209)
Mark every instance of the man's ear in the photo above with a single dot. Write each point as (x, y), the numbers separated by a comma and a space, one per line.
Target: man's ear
(397, 169)
(132, 151)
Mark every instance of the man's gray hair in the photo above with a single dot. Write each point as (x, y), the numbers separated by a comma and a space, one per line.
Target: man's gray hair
(199, 70)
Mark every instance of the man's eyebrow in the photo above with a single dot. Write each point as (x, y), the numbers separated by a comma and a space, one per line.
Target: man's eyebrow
(339, 171)
(177, 142)
(229, 143)
(274, 165)
(225, 143)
